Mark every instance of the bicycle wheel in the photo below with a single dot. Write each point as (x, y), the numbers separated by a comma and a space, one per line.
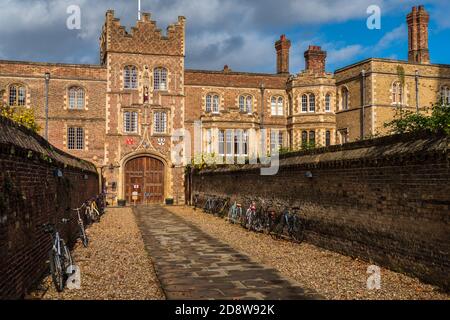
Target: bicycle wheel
(278, 228)
(56, 270)
(66, 255)
(296, 231)
(87, 214)
(83, 236)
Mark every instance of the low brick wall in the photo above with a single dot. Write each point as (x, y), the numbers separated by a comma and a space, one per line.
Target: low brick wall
(386, 200)
(31, 194)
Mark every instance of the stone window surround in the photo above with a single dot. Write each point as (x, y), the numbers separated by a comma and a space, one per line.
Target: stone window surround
(66, 97)
(212, 95)
(444, 92)
(341, 98)
(122, 122)
(308, 95)
(252, 104)
(85, 133)
(277, 99)
(160, 67)
(329, 94)
(168, 122)
(122, 76)
(27, 93)
(243, 132)
(393, 93)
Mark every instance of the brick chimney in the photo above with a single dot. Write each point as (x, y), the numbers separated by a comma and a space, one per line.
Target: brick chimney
(315, 59)
(418, 35)
(282, 46)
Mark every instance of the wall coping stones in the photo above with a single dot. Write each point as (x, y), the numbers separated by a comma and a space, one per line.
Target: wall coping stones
(400, 147)
(19, 140)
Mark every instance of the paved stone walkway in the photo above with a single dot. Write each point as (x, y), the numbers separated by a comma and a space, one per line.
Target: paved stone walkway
(193, 265)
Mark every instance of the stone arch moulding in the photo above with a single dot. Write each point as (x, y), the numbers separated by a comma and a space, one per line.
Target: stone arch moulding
(151, 154)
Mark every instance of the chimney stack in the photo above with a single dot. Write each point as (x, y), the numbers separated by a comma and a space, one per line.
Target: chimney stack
(315, 59)
(282, 46)
(418, 20)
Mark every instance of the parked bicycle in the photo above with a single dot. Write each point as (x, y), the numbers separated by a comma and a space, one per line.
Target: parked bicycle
(195, 201)
(100, 202)
(91, 211)
(290, 222)
(83, 236)
(60, 257)
(235, 213)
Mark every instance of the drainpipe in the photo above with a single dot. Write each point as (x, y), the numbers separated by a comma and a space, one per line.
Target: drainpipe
(417, 91)
(263, 137)
(363, 101)
(47, 81)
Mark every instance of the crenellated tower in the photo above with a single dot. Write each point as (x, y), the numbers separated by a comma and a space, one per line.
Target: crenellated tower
(144, 101)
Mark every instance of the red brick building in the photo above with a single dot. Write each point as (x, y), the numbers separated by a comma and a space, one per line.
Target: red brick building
(134, 115)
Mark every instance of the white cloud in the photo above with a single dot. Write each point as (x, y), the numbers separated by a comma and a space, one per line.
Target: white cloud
(397, 34)
(345, 54)
(234, 32)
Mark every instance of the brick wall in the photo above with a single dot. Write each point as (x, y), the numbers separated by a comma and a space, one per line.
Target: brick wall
(31, 195)
(384, 200)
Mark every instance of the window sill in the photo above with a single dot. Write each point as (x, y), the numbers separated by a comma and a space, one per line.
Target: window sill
(133, 134)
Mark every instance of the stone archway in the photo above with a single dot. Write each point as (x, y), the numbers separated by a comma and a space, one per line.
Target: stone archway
(145, 175)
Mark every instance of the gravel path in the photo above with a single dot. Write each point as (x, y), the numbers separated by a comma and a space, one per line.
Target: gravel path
(332, 275)
(115, 266)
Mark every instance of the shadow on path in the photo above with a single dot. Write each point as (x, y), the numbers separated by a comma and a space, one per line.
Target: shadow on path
(190, 264)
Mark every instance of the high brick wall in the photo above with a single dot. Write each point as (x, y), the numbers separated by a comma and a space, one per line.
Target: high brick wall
(31, 195)
(386, 200)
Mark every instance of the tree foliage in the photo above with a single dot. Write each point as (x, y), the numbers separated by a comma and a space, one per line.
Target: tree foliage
(20, 115)
(438, 120)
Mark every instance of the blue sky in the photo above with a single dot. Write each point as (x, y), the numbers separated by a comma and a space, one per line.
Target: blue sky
(238, 33)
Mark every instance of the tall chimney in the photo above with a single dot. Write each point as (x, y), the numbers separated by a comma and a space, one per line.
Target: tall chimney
(282, 46)
(315, 59)
(418, 21)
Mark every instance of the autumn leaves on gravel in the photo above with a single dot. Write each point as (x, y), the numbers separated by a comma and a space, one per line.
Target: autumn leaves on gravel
(115, 266)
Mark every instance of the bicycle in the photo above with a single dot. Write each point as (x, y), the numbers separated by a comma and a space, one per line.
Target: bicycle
(249, 216)
(83, 236)
(259, 220)
(60, 257)
(220, 207)
(235, 213)
(209, 205)
(101, 203)
(293, 224)
(195, 200)
(91, 211)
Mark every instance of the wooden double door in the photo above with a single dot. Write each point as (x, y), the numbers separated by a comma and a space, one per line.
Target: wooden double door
(144, 175)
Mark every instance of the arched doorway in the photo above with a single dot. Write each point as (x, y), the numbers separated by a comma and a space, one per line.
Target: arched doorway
(145, 175)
